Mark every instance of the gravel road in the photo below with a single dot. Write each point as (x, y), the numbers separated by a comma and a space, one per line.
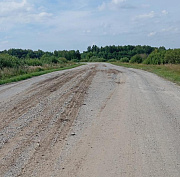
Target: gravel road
(97, 120)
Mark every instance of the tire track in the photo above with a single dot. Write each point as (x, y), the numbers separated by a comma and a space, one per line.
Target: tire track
(46, 114)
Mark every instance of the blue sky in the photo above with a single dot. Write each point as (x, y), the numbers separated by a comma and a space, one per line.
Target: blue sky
(76, 24)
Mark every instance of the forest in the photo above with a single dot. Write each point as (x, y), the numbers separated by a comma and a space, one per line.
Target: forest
(132, 54)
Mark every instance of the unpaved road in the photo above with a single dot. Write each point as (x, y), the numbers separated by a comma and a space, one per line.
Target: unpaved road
(96, 120)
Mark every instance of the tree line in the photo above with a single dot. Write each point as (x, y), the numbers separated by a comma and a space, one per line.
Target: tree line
(132, 54)
(19, 57)
(129, 53)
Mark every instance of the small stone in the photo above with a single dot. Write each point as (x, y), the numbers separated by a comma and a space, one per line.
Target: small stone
(73, 134)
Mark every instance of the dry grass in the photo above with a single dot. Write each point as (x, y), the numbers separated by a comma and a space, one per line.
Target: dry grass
(11, 72)
(8, 75)
(175, 68)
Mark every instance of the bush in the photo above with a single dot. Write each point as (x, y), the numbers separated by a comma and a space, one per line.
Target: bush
(172, 56)
(124, 59)
(54, 59)
(136, 59)
(84, 60)
(33, 62)
(112, 60)
(156, 57)
(62, 60)
(7, 60)
(46, 59)
(96, 59)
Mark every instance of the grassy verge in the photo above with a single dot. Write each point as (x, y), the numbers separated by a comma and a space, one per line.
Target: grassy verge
(38, 73)
(170, 72)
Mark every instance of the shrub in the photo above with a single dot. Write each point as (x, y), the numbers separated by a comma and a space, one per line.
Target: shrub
(84, 60)
(172, 56)
(156, 57)
(7, 60)
(62, 60)
(33, 62)
(136, 59)
(96, 59)
(124, 59)
(46, 59)
(112, 60)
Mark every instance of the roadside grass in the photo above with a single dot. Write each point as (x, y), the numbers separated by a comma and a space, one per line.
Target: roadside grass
(170, 72)
(37, 73)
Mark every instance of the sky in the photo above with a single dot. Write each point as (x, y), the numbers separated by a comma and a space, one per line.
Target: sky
(76, 24)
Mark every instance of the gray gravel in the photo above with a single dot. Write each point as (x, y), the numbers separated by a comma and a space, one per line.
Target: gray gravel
(94, 120)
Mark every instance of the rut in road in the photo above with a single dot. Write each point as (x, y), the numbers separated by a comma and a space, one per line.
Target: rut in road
(95, 120)
(35, 121)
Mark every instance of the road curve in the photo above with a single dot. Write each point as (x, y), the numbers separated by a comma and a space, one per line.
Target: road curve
(97, 120)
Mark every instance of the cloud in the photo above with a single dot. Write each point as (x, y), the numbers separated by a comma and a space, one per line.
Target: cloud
(7, 7)
(145, 5)
(115, 5)
(150, 15)
(170, 29)
(102, 6)
(85, 32)
(13, 12)
(152, 34)
(145, 16)
(45, 14)
(61, 24)
(4, 44)
(73, 21)
(164, 12)
(116, 2)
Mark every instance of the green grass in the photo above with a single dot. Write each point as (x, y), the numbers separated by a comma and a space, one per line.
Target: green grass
(170, 72)
(33, 74)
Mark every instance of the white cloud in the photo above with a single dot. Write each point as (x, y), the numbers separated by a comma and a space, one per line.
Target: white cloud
(164, 12)
(102, 6)
(13, 6)
(145, 16)
(86, 31)
(115, 5)
(170, 29)
(4, 44)
(165, 31)
(116, 2)
(151, 15)
(13, 12)
(45, 14)
(152, 34)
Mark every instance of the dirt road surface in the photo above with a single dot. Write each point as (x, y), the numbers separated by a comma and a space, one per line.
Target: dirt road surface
(97, 120)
